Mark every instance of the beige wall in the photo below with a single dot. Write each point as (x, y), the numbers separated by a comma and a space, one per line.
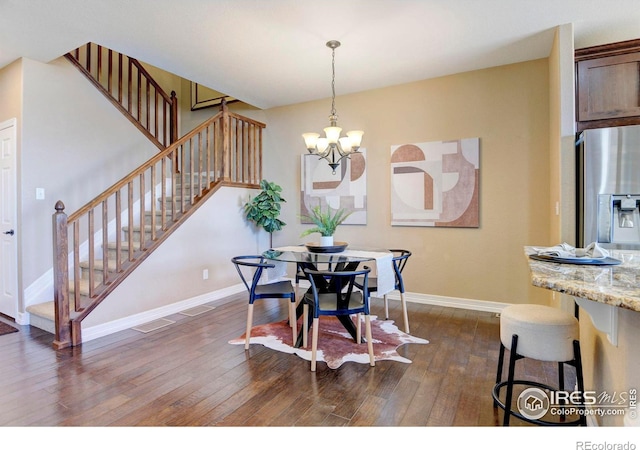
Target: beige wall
(11, 89)
(507, 108)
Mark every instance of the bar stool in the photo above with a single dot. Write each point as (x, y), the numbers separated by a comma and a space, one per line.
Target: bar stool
(543, 333)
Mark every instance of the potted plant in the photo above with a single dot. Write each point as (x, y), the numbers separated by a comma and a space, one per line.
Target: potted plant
(264, 209)
(325, 223)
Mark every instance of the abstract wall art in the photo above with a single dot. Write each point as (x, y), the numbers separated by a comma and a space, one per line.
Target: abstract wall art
(346, 188)
(435, 184)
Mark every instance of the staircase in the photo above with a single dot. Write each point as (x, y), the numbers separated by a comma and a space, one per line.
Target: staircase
(98, 246)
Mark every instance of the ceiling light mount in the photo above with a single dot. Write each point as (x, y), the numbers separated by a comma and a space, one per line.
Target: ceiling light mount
(333, 44)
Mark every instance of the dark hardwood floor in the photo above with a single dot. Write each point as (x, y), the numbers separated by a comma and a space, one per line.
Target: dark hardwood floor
(187, 374)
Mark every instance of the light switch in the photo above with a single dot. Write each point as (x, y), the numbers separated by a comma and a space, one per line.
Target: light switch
(39, 193)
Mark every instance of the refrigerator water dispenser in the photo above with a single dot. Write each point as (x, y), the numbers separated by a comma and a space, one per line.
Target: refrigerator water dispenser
(619, 219)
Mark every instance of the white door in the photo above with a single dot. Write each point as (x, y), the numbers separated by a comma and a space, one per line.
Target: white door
(8, 242)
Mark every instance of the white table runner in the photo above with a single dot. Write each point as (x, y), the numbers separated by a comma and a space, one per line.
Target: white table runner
(273, 274)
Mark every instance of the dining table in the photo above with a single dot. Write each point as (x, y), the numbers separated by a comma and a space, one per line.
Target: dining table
(347, 259)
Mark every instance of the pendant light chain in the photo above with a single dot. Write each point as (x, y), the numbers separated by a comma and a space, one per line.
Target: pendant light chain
(333, 117)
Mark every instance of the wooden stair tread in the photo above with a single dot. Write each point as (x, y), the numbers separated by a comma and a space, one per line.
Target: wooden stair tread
(45, 310)
(147, 227)
(98, 264)
(124, 245)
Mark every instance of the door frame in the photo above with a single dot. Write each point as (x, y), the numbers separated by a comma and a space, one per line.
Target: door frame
(13, 124)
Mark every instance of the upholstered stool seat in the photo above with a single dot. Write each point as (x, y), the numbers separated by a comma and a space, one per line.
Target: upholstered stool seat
(542, 333)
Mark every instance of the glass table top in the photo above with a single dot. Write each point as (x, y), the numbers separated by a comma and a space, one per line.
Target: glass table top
(299, 254)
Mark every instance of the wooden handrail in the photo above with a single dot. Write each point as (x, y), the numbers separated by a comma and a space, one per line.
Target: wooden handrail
(150, 203)
(136, 94)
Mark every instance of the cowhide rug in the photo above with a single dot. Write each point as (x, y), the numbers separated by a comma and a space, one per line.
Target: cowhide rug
(335, 345)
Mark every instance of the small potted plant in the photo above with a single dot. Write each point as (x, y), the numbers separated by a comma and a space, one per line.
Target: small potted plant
(264, 209)
(325, 223)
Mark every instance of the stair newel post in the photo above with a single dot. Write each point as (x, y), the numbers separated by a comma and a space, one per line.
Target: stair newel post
(226, 142)
(173, 118)
(61, 278)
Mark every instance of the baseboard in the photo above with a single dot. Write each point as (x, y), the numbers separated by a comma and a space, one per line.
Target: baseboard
(437, 300)
(221, 296)
(218, 297)
(450, 302)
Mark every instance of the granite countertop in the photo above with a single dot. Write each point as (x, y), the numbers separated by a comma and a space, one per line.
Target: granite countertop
(617, 285)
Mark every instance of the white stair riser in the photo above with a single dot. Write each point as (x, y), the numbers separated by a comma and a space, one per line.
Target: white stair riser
(124, 253)
(98, 274)
(137, 233)
(168, 217)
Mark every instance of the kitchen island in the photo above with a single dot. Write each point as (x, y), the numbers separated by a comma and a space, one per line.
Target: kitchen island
(617, 285)
(610, 294)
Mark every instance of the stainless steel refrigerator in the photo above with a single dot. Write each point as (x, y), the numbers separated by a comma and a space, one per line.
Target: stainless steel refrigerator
(608, 194)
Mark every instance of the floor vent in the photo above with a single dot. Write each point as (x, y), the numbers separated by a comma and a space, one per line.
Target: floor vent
(196, 310)
(153, 325)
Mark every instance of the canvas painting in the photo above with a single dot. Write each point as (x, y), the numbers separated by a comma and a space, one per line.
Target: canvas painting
(435, 184)
(346, 188)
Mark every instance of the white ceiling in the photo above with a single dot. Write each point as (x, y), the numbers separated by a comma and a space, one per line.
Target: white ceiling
(272, 52)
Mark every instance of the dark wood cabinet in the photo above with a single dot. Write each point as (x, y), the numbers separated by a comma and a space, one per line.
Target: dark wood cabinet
(608, 85)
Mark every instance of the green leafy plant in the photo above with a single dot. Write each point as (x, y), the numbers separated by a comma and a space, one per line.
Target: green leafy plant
(325, 222)
(264, 208)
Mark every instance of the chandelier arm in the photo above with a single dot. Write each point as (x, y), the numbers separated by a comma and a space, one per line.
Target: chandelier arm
(340, 159)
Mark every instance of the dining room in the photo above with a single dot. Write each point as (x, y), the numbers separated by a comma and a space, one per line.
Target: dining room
(507, 126)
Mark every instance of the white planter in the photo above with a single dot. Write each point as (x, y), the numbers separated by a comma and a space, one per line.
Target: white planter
(326, 241)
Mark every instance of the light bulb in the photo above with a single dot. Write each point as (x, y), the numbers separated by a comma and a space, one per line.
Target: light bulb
(356, 138)
(333, 134)
(346, 144)
(310, 140)
(322, 145)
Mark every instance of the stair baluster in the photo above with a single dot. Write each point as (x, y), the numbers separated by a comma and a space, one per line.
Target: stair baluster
(140, 98)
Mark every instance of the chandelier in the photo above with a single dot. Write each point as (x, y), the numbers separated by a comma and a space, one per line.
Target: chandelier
(332, 147)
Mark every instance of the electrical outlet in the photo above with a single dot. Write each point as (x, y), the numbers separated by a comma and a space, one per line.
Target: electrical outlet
(205, 274)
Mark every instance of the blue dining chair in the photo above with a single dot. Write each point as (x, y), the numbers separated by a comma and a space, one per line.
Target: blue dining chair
(279, 289)
(341, 301)
(400, 258)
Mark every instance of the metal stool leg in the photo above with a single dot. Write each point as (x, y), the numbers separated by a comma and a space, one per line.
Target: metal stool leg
(512, 366)
(579, 377)
(499, 372)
